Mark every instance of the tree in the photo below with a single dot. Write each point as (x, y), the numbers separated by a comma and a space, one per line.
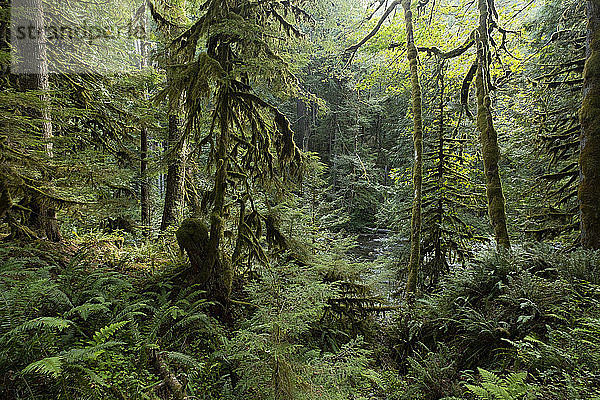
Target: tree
(144, 180)
(485, 123)
(412, 54)
(557, 97)
(41, 211)
(589, 158)
(170, 17)
(415, 224)
(250, 141)
(450, 198)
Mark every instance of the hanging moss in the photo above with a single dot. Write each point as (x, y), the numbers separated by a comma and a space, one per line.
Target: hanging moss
(273, 233)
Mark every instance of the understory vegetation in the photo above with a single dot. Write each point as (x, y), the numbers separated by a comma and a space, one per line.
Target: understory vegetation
(522, 324)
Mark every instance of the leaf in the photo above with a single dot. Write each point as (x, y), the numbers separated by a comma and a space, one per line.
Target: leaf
(479, 392)
(106, 332)
(51, 366)
(44, 322)
(488, 377)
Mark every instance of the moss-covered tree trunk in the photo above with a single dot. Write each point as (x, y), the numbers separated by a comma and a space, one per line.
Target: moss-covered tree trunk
(589, 157)
(439, 256)
(209, 266)
(42, 215)
(221, 267)
(175, 153)
(415, 225)
(488, 135)
(175, 156)
(144, 180)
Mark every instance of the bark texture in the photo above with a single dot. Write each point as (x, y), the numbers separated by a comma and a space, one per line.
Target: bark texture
(175, 153)
(145, 183)
(144, 180)
(589, 157)
(488, 135)
(415, 225)
(42, 216)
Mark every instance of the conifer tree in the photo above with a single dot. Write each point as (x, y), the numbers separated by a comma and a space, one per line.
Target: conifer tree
(558, 95)
(40, 216)
(171, 19)
(589, 158)
(250, 141)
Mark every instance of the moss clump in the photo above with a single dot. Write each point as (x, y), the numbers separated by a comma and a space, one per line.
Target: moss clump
(208, 267)
(192, 237)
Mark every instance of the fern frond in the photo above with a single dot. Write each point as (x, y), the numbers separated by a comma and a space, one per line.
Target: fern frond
(106, 332)
(515, 379)
(51, 366)
(183, 359)
(480, 392)
(86, 309)
(489, 377)
(44, 322)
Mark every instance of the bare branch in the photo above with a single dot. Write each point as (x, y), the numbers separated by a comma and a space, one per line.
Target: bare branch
(351, 51)
(452, 53)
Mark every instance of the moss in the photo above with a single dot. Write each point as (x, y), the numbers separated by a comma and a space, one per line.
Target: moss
(415, 230)
(589, 157)
(192, 237)
(488, 135)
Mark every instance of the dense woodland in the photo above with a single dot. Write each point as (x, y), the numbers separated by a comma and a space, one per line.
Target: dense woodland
(293, 199)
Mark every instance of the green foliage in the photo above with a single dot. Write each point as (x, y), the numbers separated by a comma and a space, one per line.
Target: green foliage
(511, 387)
(102, 348)
(274, 358)
(529, 308)
(106, 315)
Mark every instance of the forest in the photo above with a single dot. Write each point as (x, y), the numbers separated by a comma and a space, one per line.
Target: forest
(300, 199)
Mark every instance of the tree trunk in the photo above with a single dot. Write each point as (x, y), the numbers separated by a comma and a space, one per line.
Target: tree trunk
(175, 153)
(440, 257)
(42, 217)
(302, 126)
(145, 181)
(415, 225)
(488, 134)
(145, 184)
(589, 157)
(221, 269)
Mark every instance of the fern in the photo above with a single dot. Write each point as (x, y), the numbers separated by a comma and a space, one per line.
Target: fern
(44, 322)
(51, 366)
(106, 332)
(86, 309)
(512, 387)
(183, 359)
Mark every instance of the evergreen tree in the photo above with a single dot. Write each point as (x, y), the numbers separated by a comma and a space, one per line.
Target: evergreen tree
(250, 141)
(589, 158)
